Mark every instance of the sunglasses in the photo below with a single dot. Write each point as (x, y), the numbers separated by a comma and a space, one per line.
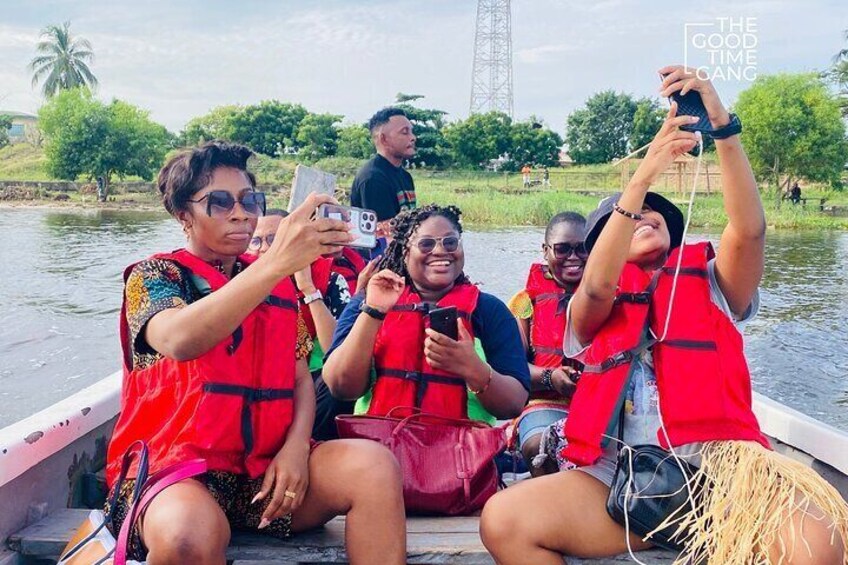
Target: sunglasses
(256, 242)
(449, 243)
(219, 203)
(564, 250)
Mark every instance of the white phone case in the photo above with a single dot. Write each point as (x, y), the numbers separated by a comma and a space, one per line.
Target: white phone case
(364, 223)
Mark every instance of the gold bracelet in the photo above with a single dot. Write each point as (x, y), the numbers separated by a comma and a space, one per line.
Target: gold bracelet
(485, 386)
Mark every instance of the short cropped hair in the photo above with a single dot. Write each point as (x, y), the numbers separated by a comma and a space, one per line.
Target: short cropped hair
(383, 116)
(572, 218)
(191, 170)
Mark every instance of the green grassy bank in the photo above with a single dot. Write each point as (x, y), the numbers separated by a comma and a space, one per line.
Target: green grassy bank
(486, 199)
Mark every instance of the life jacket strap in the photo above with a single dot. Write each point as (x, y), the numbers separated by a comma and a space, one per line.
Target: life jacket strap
(691, 344)
(280, 302)
(633, 297)
(687, 271)
(250, 396)
(421, 379)
(424, 308)
(549, 350)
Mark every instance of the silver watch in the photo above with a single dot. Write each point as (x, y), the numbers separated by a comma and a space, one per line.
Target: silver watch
(312, 297)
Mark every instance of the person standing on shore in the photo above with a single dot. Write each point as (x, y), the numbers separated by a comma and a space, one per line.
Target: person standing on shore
(525, 175)
(382, 184)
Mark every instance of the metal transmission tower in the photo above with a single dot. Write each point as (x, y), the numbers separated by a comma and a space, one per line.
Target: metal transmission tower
(491, 77)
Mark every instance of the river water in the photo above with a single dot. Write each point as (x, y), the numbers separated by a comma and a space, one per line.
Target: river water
(60, 291)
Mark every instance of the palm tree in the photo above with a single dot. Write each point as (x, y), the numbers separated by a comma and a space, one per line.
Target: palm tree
(62, 61)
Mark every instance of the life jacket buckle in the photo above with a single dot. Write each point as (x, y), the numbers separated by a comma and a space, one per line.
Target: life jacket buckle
(616, 360)
(634, 297)
(412, 376)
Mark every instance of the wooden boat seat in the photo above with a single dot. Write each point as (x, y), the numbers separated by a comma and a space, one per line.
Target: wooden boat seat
(429, 540)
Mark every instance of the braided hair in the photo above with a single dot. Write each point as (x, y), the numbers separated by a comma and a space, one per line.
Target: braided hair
(404, 226)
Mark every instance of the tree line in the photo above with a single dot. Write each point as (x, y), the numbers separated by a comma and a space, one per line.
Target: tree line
(793, 126)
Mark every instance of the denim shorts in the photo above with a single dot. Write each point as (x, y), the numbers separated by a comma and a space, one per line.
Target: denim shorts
(534, 420)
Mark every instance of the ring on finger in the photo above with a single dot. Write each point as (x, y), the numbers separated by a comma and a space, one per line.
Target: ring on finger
(290, 494)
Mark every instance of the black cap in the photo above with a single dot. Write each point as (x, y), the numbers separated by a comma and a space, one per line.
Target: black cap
(673, 217)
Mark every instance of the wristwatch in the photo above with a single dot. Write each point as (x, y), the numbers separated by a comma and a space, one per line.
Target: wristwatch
(371, 311)
(312, 297)
(732, 128)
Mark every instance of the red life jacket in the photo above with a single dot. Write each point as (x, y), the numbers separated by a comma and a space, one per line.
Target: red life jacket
(702, 375)
(547, 329)
(232, 406)
(349, 265)
(321, 270)
(404, 378)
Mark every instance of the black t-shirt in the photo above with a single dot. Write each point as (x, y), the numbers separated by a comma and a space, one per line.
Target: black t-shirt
(382, 187)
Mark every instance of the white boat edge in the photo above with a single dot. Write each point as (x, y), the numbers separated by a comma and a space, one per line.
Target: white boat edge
(30, 441)
(27, 442)
(39, 449)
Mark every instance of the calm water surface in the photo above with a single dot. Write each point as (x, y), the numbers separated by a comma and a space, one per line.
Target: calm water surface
(60, 290)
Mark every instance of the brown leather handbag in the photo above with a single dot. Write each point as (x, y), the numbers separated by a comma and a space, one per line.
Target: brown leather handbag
(448, 464)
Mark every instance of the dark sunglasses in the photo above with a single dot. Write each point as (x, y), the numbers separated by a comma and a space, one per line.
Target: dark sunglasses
(428, 244)
(219, 203)
(564, 250)
(256, 242)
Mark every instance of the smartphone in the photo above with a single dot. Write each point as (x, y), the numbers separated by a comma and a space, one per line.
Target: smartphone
(364, 223)
(443, 320)
(691, 104)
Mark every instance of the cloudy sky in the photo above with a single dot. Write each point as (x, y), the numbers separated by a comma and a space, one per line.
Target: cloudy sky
(178, 59)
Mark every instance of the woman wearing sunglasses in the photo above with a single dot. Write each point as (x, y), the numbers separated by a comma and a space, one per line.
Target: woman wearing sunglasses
(215, 368)
(386, 328)
(540, 311)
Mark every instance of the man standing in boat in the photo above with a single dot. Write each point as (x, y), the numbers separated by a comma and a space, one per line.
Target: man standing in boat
(382, 184)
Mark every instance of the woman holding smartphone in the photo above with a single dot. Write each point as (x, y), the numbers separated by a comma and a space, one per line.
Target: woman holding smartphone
(671, 377)
(385, 329)
(215, 368)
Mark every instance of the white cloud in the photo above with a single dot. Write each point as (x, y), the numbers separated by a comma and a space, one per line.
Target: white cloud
(351, 57)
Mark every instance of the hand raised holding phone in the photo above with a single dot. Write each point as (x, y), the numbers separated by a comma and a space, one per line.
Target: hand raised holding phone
(669, 143)
(301, 238)
(691, 92)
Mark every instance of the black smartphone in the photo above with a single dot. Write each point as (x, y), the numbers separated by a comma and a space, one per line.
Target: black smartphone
(691, 104)
(443, 320)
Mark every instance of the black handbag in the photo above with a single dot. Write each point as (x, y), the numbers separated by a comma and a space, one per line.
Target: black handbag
(650, 486)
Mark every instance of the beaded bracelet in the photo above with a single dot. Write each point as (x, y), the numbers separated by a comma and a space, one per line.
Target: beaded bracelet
(547, 375)
(623, 212)
(485, 386)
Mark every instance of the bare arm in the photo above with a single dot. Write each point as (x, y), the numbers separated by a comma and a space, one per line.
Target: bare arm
(324, 322)
(505, 396)
(593, 301)
(740, 257)
(524, 330)
(304, 405)
(347, 371)
(186, 333)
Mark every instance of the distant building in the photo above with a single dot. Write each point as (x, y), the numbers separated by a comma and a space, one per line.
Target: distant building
(564, 159)
(23, 125)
